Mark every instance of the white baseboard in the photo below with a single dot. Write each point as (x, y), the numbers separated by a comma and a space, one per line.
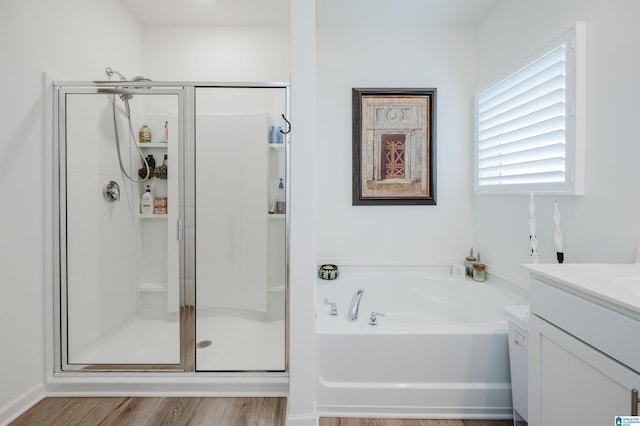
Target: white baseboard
(390, 412)
(22, 403)
(166, 386)
(302, 420)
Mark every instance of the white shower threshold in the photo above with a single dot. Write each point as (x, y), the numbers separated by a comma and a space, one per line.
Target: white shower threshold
(168, 384)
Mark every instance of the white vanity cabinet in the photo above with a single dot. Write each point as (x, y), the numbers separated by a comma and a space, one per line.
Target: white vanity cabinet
(584, 345)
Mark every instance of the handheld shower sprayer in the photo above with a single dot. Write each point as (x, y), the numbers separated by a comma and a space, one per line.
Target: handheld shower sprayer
(126, 97)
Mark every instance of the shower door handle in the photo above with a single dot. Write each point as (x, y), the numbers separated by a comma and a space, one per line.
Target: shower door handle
(180, 229)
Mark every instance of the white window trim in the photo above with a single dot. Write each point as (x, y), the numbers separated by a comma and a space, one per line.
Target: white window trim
(574, 183)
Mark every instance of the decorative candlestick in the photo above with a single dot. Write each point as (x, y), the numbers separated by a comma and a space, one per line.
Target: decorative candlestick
(532, 231)
(557, 235)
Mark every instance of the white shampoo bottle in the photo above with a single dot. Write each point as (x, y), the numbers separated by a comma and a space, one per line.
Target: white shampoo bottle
(146, 203)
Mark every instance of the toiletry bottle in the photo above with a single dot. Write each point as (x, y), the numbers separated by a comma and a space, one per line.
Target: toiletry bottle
(145, 134)
(468, 263)
(146, 203)
(151, 162)
(281, 207)
(273, 188)
(275, 136)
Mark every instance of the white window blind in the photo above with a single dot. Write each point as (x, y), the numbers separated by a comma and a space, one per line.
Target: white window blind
(526, 127)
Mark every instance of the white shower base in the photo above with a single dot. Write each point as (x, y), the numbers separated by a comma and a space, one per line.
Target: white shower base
(238, 343)
(135, 341)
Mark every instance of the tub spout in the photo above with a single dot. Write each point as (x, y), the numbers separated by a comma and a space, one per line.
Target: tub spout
(352, 315)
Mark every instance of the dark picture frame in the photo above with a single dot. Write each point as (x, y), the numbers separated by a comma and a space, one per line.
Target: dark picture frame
(394, 146)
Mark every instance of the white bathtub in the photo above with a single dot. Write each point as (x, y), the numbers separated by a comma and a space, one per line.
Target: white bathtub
(440, 351)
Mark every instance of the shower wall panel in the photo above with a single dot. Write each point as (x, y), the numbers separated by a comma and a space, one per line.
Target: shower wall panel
(231, 211)
(101, 269)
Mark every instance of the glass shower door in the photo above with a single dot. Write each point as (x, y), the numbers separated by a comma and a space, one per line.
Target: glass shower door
(240, 228)
(119, 268)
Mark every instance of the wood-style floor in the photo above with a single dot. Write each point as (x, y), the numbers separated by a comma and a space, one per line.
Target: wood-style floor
(193, 412)
(155, 412)
(405, 422)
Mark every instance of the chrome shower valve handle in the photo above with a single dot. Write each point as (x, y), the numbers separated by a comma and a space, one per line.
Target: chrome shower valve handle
(111, 191)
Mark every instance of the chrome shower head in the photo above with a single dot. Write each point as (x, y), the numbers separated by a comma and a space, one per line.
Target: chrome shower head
(110, 72)
(126, 96)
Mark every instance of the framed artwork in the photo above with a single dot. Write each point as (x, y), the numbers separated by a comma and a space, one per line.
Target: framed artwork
(394, 146)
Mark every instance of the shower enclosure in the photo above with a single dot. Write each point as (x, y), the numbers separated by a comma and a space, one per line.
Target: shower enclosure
(197, 281)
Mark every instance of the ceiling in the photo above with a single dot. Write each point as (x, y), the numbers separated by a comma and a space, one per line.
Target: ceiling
(424, 13)
(209, 12)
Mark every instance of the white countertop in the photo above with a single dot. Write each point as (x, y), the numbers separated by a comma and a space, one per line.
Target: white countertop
(616, 284)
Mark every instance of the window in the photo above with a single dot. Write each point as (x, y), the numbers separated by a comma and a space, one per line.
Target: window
(530, 125)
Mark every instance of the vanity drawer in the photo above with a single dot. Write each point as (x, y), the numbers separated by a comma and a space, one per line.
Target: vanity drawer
(600, 326)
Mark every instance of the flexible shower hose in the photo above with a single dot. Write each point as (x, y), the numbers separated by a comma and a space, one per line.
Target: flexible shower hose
(133, 138)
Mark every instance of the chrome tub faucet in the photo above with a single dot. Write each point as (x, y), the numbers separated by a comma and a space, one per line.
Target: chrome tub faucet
(352, 315)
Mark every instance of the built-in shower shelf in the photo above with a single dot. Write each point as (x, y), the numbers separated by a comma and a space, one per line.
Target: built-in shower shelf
(277, 216)
(152, 216)
(151, 288)
(153, 145)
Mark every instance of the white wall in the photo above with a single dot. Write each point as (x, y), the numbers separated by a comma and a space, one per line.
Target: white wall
(71, 40)
(301, 404)
(601, 226)
(202, 53)
(400, 56)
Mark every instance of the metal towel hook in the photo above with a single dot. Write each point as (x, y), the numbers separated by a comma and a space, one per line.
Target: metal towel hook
(288, 124)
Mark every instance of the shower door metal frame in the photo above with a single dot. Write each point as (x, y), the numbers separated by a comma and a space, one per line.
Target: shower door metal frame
(60, 91)
(187, 287)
